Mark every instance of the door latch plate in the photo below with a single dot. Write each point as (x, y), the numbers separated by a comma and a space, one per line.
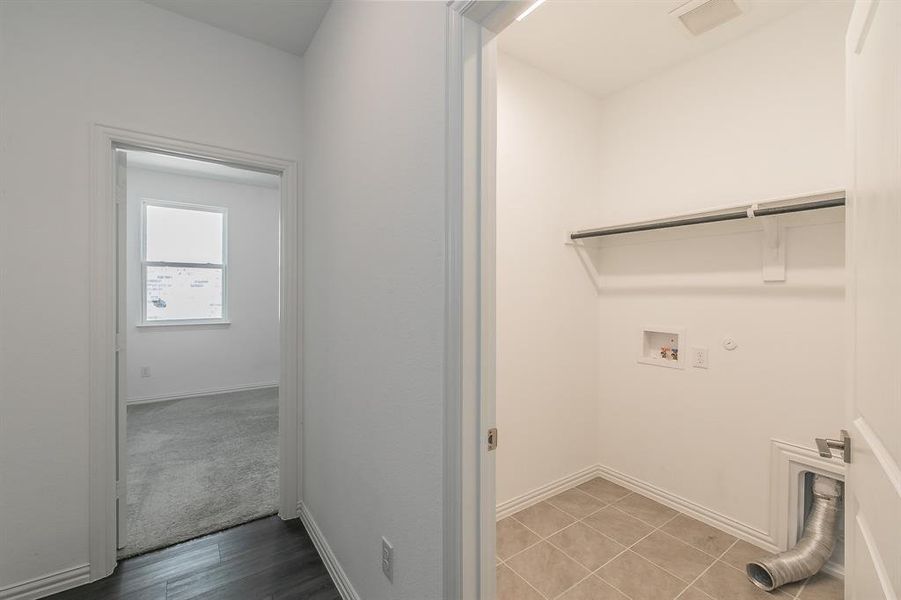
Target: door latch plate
(492, 439)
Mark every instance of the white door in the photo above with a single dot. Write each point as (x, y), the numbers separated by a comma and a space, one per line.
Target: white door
(873, 496)
(121, 372)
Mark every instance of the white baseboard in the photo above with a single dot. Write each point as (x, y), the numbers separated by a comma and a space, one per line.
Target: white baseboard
(505, 509)
(768, 540)
(198, 393)
(342, 582)
(46, 585)
(711, 517)
(758, 537)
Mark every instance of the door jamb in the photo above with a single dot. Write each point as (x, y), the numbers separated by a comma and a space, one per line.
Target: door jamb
(102, 424)
(469, 518)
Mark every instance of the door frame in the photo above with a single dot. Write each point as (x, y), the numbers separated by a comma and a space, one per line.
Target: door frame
(471, 154)
(103, 288)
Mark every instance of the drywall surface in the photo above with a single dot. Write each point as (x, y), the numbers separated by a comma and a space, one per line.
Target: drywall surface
(66, 65)
(547, 346)
(196, 359)
(760, 118)
(374, 291)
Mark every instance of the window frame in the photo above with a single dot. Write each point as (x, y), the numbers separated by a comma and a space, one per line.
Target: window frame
(224, 319)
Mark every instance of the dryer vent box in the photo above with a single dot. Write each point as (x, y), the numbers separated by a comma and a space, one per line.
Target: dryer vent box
(700, 16)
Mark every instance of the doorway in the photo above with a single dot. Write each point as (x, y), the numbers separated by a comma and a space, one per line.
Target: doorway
(632, 288)
(198, 359)
(166, 411)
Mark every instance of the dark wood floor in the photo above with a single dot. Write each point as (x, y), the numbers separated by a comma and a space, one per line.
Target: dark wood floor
(268, 559)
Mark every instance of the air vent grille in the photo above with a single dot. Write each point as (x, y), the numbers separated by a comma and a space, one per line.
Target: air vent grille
(700, 17)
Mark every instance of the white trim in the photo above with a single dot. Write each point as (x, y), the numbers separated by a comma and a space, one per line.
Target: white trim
(339, 577)
(883, 455)
(859, 27)
(102, 450)
(493, 15)
(468, 561)
(788, 462)
(539, 494)
(202, 323)
(102, 410)
(46, 585)
(767, 540)
(749, 533)
(713, 518)
(487, 73)
(454, 472)
(882, 573)
(200, 393)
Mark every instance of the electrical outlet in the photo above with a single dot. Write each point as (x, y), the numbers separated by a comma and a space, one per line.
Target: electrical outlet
(388, 560)
(699, 358)
(145, 371)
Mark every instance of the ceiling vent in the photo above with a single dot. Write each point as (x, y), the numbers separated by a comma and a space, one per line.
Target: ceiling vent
(700, 16)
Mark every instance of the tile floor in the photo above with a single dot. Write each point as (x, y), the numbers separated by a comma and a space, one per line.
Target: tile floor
(599, 541)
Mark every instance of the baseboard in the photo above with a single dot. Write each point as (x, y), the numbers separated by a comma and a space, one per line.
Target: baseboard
(46, 585)
(207, 392)
(505, 509)
(740, 530)
(342, 582)
(743, 531)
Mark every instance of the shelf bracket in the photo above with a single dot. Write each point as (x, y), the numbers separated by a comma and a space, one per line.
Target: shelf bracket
(773, 250)
(584, 257)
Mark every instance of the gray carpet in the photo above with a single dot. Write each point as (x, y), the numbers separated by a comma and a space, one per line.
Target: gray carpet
(198, 465)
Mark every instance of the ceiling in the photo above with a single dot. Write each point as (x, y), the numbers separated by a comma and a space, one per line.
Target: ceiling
(166, 163)
(288, 25)
(603, 46)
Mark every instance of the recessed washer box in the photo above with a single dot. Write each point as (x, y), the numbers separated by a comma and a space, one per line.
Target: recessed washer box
(663, 347)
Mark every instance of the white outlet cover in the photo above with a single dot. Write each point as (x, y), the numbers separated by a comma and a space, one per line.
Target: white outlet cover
(699, 358)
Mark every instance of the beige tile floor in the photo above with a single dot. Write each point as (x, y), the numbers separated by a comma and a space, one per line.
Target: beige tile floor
(599, 541)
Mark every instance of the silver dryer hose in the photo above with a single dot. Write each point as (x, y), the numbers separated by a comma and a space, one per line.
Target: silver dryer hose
(812, 550)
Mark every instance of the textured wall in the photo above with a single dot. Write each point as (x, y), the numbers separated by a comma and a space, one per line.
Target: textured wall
(374, 291)
(66, 65)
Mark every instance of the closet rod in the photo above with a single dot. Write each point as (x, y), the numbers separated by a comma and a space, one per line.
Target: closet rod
(749, 212)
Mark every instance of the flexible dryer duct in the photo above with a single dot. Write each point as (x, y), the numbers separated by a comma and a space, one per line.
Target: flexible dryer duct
(812, 550)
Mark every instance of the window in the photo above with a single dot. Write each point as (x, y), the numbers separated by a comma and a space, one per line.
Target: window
(183, 263)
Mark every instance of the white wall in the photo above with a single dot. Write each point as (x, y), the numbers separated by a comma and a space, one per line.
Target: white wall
(760, 118)
(547, 346)
(196, 359)
(374, 291)
(65, 65)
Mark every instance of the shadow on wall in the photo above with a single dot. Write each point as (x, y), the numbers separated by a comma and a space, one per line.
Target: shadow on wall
(721, 258)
